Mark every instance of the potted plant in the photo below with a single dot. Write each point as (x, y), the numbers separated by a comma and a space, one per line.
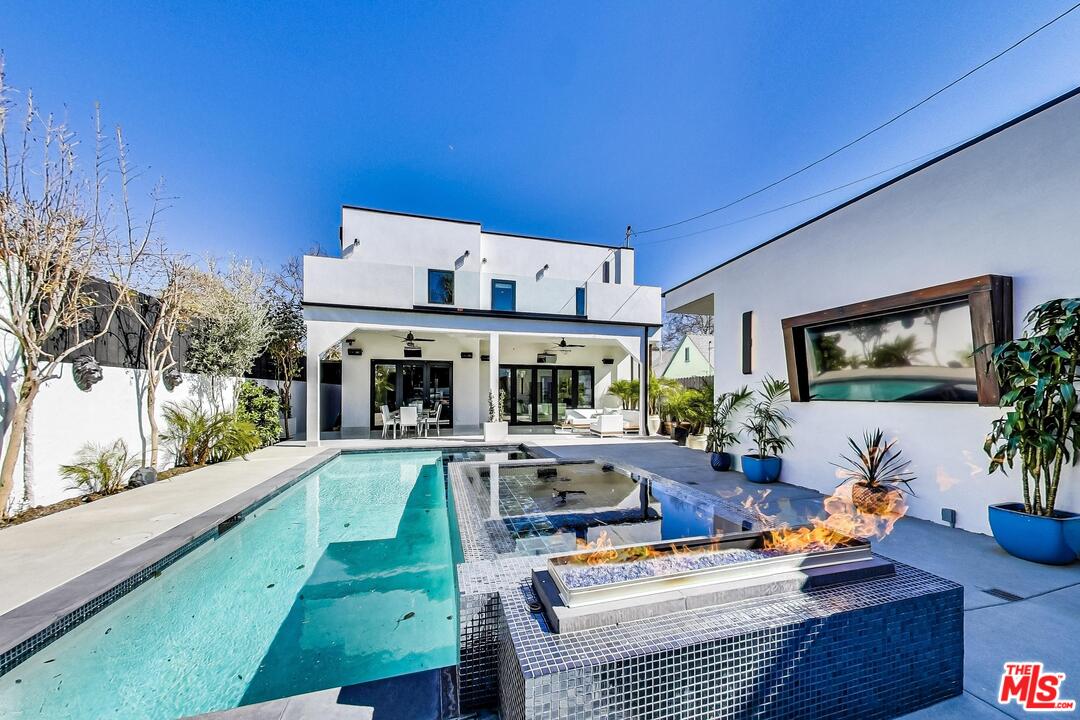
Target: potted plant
(1041, 429)
(765, 423)
(878, 474)
(660, 390)
(496, 429)
(678, 408)
(720, 437)
(699, 415)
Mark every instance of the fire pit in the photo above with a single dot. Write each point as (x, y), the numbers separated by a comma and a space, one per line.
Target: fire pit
(606, 585)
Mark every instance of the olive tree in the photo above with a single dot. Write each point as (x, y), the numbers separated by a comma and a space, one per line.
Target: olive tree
(231, 327)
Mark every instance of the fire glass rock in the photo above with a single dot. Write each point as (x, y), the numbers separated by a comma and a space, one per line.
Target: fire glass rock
(580, 576)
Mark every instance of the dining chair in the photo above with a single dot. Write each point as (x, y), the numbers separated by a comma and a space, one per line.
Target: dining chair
(433, 419)
(388, 421)
(408, 418)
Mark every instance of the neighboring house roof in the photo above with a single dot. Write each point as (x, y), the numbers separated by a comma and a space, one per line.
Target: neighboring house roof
(704, 344)
(692, 358)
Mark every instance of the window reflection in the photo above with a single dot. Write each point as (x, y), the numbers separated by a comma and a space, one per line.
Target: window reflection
(918, 355)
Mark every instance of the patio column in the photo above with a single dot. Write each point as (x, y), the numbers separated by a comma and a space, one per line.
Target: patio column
(493, 374)
(643, 381)
(314, 379)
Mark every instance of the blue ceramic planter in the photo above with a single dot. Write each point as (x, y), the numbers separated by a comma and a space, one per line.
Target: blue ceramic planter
(1049, 540)
(720, 461)
(761, 470)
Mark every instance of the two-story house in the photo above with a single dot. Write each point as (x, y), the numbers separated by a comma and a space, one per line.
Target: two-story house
(437, 312)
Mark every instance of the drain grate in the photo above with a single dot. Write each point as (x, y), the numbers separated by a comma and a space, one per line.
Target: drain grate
(1003, 594)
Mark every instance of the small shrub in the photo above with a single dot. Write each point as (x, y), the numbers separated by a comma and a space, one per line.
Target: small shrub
(100, 468)
(262, 408)
(198, 437)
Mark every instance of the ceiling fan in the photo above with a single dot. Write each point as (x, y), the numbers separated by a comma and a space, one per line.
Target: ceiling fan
(410, 340)
(563, 346)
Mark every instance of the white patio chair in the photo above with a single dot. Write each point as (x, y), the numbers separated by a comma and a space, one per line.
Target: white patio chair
(408, 418)
(388, 421)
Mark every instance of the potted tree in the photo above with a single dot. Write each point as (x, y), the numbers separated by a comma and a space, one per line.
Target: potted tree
(700, 407)
(678, 407)
(878, 474)
(1041, 430)
(720, 436)
(496, 429)
(765, 423)
(660, 390)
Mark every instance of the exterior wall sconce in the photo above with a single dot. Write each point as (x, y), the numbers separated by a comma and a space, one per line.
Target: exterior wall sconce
(541, 271)
(86, 372)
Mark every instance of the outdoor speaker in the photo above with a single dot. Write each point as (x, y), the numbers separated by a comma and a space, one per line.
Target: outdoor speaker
(412, 352)
(466, 356)
(485, 358)
(608, 361)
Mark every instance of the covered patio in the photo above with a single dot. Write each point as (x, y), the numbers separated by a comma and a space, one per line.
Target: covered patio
(450, 365)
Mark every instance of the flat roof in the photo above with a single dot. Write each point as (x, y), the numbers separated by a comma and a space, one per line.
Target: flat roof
(887, 183)
(480, 225)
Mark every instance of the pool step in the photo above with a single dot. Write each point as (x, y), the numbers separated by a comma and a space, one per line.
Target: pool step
(324, 704)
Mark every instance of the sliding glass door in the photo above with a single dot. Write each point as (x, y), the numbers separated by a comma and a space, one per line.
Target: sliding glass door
(541, 394)
(425, 384)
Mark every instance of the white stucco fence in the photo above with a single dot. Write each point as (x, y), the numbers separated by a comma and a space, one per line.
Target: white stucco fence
(65, 418)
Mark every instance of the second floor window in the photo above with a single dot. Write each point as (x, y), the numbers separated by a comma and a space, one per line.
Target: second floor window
(686, 354)
(580, 308)
(504, 295)
(607, 271)
(440, 287)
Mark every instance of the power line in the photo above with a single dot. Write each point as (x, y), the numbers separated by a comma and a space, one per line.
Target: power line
(802, 200)
(868, 133)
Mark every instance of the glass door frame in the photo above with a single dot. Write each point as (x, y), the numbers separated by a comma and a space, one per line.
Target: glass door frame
(399, 384)
(535, 398)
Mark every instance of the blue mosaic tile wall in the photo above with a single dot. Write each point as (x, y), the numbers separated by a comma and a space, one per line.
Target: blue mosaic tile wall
(870, 650)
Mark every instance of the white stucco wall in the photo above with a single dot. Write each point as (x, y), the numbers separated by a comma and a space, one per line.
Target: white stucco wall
(385, 259)
(1007, 205)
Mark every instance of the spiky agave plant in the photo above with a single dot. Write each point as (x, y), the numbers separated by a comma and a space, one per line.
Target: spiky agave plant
(876, 470)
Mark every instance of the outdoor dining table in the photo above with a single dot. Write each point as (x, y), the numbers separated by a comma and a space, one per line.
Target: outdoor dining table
(421, 416)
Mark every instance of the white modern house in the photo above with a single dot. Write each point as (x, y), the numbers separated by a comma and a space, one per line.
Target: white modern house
(872, 309)
(439, 313)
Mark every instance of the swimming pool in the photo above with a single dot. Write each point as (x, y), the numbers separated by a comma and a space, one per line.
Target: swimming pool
(535, 509)
(346, 577)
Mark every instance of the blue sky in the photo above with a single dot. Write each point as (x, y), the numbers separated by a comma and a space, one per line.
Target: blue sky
(569, 120)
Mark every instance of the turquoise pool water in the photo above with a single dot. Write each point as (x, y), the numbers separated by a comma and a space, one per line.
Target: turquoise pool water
(344, 578)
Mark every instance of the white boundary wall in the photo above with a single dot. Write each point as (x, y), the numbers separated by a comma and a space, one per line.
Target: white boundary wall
(1009, 205)
(65, 418)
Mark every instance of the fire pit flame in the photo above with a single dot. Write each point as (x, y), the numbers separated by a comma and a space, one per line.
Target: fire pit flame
(841, 522)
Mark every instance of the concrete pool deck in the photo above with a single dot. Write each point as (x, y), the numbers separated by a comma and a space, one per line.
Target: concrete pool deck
(50, 551)
(1040, 625)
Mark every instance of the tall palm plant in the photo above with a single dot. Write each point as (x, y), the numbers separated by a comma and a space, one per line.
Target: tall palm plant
(721, 437)
(768, 418)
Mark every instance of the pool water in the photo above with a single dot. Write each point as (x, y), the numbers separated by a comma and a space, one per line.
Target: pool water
(535, 509)
(344, 578)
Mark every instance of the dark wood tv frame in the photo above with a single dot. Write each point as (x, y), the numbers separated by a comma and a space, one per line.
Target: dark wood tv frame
(989, 298)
